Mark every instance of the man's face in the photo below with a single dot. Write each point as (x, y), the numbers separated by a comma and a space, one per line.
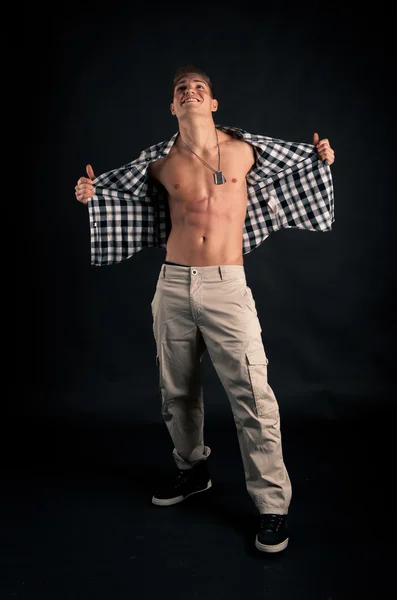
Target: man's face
(192, 94)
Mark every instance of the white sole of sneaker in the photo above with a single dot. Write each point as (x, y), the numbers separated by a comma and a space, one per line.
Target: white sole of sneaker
(177, 499)
(267, 548)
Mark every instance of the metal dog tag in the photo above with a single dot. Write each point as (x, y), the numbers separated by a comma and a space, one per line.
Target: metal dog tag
(219, 178)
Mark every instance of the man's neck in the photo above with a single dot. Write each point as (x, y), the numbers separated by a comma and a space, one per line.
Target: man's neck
(199, 134)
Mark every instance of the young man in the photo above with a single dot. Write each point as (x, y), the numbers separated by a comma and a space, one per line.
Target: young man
(209, 195)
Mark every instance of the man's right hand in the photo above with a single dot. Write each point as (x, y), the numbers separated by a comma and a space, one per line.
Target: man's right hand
(84, 188)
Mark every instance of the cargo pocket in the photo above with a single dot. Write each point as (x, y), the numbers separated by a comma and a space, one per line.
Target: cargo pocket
(257, 362)
(249, 299)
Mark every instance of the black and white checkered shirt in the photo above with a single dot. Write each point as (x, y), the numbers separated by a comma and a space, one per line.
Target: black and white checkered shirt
(288, 186)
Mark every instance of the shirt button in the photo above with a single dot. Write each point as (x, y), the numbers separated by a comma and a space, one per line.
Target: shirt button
(194, 271)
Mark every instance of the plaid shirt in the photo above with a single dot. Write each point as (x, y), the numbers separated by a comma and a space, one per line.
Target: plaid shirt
(288, 186)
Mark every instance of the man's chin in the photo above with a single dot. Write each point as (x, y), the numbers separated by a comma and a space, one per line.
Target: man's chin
(193, 111)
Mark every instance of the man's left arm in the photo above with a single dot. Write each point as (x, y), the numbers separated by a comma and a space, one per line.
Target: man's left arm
(324, 150)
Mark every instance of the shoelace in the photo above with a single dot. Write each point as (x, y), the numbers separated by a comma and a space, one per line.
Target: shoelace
(271, 522)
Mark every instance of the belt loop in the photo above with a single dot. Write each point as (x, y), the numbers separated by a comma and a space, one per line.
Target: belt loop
(222, 272)
(164, 269)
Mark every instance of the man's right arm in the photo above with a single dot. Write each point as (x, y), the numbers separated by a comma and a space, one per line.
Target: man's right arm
(84, 189)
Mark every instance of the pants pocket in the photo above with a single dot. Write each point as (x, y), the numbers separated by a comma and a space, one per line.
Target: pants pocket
(249, 299)
(257, 362)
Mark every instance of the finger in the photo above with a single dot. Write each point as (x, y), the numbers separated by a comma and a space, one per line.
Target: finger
(90, 172)
(316, 139)
(330, 156)
(81, 198)
(323, 144)
(84, 180)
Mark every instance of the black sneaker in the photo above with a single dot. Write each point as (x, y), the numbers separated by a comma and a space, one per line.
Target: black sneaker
(187, 482)
(273, 533)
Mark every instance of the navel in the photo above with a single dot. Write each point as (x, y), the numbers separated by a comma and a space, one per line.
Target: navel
(234, 180)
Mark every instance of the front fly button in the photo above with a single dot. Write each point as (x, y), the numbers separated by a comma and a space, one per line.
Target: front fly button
(194, 271)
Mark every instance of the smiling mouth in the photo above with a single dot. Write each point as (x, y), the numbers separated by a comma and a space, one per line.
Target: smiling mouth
(188, 100)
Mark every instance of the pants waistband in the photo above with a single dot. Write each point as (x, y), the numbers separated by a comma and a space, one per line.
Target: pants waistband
(212, 273)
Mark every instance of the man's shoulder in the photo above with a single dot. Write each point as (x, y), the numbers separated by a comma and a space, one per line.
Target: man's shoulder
(154, 151)
(238, 133)
(257, 139)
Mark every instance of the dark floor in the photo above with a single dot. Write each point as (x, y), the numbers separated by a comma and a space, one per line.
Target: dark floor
(77, 521)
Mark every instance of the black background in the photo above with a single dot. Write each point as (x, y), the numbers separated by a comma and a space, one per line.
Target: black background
(103, 94)
(85, 400)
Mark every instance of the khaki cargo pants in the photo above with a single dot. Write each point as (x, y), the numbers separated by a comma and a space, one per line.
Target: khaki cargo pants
(211, 308)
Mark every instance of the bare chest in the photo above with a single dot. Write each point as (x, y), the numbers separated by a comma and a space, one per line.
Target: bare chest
(187, 179)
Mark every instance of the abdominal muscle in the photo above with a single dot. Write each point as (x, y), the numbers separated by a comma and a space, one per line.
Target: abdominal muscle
(204, 237)
(207, 220)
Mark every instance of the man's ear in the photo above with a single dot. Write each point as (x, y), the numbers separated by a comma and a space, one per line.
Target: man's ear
(172, 109)
(214, 105)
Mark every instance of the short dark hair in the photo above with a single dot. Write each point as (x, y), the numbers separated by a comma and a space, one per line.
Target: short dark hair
(188, 70)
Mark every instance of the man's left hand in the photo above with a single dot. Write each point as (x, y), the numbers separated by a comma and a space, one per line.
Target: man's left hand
(324, 150)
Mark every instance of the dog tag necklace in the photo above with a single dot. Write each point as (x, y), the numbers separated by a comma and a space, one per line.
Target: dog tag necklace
(219, 177)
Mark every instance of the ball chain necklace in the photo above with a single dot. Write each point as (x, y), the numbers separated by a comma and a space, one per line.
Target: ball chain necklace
(219, 177)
